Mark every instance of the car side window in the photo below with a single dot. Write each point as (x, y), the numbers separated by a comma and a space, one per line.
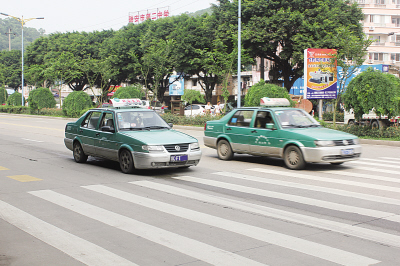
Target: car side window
(263, 118)
(107, 120)
(241, 118)
(91, 120)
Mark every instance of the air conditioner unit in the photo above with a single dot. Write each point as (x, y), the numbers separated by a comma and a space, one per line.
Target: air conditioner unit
(372, 28)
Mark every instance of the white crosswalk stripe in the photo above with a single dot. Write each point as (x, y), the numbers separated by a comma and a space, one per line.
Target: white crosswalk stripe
(390, 158)
(367, 176)
(379, 170)
(376, 164)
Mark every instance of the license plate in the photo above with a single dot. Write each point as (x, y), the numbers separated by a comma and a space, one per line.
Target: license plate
(179, 158)
(348, 152)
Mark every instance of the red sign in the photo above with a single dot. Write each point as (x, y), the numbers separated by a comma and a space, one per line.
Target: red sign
(150, 14)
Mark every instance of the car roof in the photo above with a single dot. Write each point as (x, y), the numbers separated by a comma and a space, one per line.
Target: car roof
(122, 109)
(265, 108)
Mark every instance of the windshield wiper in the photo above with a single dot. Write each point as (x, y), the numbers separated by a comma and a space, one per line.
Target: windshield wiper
(155, 127)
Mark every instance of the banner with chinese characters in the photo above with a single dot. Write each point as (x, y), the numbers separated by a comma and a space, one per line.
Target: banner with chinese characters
(320, 76)
(151, 14)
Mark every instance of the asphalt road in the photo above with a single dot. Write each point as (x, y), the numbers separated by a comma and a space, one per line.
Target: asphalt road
(248, 211)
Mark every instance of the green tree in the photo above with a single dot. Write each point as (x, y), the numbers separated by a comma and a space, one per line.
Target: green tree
(191, 96)
(41, 98)
(3, 95)
(373, 89)
(129, 92)
(76, 102)
(280, 30)
(262, 89)
(15, 99)
(11, 64)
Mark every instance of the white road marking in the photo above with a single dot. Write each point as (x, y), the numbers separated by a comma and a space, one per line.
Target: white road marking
(385, 165)
(160, 236)
(390, 158)
(347, 229)
(373, 177)
(78, 248)
(322, 179)
(388, 164)
(380, 170)
(293, 198)
(307, 247)
(33, 140)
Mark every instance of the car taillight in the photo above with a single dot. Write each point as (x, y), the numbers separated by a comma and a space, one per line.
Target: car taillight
(205, 126)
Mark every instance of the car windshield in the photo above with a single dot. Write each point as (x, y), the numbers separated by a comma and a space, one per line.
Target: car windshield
(140, 120)
(295, 118)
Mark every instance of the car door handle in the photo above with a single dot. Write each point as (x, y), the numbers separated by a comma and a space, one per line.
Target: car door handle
(254, 131)
(228, 128)
(97, 134)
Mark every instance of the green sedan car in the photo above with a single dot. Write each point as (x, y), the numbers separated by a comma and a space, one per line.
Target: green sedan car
(284, 132)
(135, 137)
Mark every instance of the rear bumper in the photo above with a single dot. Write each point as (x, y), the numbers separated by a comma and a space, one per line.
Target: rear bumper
(155, 160)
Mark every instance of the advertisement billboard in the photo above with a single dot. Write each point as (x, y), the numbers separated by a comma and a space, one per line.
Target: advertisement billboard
(320, 77)
(177, 86)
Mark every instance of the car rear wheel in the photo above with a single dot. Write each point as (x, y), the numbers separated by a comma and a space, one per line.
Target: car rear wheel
(293, 158)
(224, 150)
(126, 162)
(79, 155)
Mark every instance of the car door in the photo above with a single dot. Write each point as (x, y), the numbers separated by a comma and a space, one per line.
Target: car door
(264, 138)
(238, 130)
(106, 144)
(88, 131)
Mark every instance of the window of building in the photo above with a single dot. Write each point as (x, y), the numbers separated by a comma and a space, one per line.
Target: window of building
(395, 57)
(396, 21)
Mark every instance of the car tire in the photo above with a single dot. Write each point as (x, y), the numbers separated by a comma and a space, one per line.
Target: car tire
(126, 162)
(293, 158)
(224, 150)
(79, 155)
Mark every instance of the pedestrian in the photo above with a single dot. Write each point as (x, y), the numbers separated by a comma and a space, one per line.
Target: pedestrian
(208, 108)
(218, 108)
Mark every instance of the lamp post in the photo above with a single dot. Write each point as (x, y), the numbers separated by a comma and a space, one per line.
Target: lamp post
(239, 67)
(22, 21)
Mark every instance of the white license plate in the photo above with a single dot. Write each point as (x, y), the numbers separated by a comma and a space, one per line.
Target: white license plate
(348, 152)
(179, 158)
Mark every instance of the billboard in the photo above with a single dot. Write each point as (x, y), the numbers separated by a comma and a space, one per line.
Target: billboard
(176, 87)
(320, 77)
(149, 14)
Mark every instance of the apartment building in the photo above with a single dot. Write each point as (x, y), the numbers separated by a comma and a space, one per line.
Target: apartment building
(382, 23)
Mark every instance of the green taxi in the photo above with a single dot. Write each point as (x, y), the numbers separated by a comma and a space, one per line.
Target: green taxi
(284, 132)
(137, 138)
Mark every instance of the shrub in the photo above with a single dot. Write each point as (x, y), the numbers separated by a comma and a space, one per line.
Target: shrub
(15, 99)
(14, 109)
(262, 89)
(75, 103)
(369, 132)
(198, 120)
(129, 92)
(3, 96)
(41, 98)
(328, 116)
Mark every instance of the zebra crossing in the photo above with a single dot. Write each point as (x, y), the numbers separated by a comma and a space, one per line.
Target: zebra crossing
(260, 216)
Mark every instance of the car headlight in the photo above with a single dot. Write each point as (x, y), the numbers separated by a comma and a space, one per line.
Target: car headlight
(153, 148)
(324, 143)
(194, 146)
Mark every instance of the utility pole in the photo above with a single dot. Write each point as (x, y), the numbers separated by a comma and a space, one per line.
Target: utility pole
(9, 38)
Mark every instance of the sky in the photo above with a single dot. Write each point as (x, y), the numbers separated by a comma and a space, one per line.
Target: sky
(90, 15)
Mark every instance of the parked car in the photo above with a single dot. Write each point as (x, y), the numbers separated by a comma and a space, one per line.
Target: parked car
(135, 137)
(154, 105)
(196, 109)
(284, 132)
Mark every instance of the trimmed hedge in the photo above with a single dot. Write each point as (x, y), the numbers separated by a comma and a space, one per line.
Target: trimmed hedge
(198, 120)
(41, 98)
(14, 109)
(368, 132)
(328, 116)
(76, 102)
(15, 99)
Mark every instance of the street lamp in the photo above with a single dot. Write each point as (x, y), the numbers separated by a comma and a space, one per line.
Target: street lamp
(22, 21)
(239, 67)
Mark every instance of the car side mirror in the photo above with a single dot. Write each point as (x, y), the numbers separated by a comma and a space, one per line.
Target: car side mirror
(270, 126)
(108, 129)
(170, 125)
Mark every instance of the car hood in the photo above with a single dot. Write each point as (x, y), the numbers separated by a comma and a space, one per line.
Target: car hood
(159, 137)
(321, 133)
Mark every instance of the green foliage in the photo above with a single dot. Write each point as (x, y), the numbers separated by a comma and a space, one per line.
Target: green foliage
(373, 89)
(392, 133)
(328, 116)
(129, 92)
(76, 102)
(198, 120)
(14, 109)
(41, 98)
(262, 89)
(3, 96)
(10, 71)
(191, 96)
(15, 99)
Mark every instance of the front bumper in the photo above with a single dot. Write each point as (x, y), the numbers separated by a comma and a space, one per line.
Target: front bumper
(153, 160)
(336, 154)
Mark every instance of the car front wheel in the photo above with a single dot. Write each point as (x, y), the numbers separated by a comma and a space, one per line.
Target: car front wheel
(224, 150)
(293, 158)
(126, 162)
(79, 155)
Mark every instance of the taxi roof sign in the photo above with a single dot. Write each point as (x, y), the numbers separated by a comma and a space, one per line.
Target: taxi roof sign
(126, 102)
(274, 102)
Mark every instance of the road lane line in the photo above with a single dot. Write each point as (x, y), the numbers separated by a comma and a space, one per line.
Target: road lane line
(157, 235)
(318, 188)
(24, 178)
(78, 248)
(293, 198)
(33, 140)
(49, 128)
(347, 229)
(2, 168)
(294, 243)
